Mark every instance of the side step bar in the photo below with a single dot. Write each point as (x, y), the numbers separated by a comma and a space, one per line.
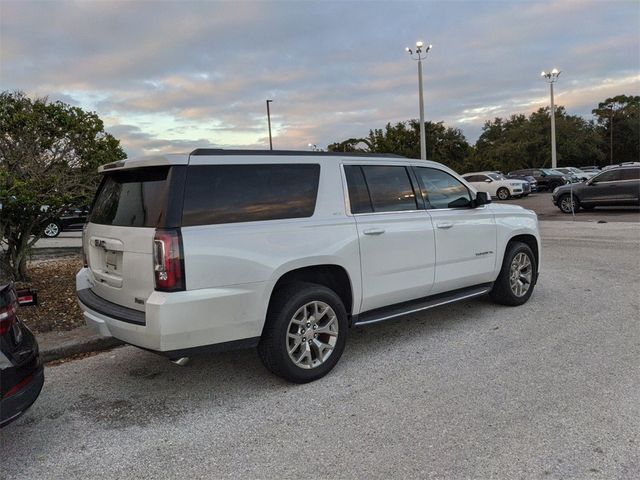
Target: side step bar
(412, 306)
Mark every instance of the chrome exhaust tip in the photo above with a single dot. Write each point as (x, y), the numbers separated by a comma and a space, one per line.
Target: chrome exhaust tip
(182, 361)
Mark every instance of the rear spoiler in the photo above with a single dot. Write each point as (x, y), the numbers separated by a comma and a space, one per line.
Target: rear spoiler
(148, 161)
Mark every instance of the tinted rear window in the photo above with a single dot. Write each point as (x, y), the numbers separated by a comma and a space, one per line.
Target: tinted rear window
(246, 193)
(132, 198)
(390, 188)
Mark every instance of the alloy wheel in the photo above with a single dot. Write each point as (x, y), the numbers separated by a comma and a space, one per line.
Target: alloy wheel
(312, 334)
(503, 194)
(51, 230)
(568, 204)
(521, 274)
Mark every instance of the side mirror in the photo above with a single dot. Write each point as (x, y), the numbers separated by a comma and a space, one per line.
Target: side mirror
(482, 198)
(488, 180)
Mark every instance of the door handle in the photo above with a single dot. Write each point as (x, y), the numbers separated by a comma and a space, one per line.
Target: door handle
(445, 225)
(374, 231)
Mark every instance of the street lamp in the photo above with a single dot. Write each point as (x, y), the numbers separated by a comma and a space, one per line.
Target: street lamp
(550, 78)
(419, 54)
(269, 120)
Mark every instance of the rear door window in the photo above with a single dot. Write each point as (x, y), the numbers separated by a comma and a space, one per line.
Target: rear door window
(217, 194)
(390, 188)
(132, 198)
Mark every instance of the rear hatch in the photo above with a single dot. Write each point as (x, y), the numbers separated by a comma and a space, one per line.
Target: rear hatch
(118, 239)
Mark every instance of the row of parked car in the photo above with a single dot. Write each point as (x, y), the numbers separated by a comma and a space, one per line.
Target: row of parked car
(520, 183)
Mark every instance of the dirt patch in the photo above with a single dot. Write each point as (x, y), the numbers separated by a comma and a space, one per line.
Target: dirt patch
(57, 308)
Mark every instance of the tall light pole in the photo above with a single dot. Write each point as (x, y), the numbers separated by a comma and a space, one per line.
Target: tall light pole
(419, 54)
(551, 78)
(269, 120)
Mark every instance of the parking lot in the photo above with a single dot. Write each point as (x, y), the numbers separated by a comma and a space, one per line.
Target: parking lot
(474, 390)
(542, 204)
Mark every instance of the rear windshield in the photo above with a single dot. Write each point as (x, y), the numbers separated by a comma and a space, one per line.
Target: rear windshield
(247, 193)
(132, 198)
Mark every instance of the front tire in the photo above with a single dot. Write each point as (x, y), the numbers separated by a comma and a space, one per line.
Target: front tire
(305, 332)
(515, 283)
(503, 193)
(568, 203)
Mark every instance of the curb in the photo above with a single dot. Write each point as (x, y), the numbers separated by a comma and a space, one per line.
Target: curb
(59, 345)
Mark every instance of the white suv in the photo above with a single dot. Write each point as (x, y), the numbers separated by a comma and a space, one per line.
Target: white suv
(285, 251)
(497, 185)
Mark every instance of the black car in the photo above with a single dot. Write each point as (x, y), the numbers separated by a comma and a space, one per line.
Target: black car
(547, 179)
(21, 371)
(613, 187)
(71, 219)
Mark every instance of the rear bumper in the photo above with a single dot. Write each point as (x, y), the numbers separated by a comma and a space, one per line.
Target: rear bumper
(179, 321)
(15, 405)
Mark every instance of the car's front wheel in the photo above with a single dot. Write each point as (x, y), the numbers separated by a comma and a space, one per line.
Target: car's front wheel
(52, 229)
(568, 203)
(503, 193)
(517, 276)
(305, 332)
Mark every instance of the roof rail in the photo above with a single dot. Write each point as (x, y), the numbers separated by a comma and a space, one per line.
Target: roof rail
(222, 151)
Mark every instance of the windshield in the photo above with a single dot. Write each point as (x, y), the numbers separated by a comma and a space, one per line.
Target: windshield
(496, 176)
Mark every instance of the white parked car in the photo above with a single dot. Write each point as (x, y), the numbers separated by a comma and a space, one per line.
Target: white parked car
(497, 185)
(287, 250)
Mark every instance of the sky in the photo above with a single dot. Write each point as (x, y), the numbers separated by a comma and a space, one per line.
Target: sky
(170, 76)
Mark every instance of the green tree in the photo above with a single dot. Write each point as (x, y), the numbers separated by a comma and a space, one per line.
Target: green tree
(618, 120)
(49, 153)
(444, 144)
(525, 142)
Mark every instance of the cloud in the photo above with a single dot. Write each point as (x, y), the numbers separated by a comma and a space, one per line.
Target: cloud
(181, 74)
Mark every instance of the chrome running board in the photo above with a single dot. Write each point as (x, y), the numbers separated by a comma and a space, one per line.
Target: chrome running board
(413, 306)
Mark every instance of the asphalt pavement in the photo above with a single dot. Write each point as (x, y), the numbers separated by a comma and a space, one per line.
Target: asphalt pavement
(547, 390)
(542, 204)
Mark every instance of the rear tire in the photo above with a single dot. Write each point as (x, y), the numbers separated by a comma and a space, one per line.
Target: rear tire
(503, 193)
(52, 229)
(517, 278)
(303, 321)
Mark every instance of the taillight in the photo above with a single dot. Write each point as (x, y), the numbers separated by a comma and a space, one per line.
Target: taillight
(7, 317)
(168, 260)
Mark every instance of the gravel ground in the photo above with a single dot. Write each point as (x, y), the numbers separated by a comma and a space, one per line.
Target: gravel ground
(474, 390)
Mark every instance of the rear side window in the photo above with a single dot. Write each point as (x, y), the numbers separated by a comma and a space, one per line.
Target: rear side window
(390, 188)
(132, 198)
(247, 193)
